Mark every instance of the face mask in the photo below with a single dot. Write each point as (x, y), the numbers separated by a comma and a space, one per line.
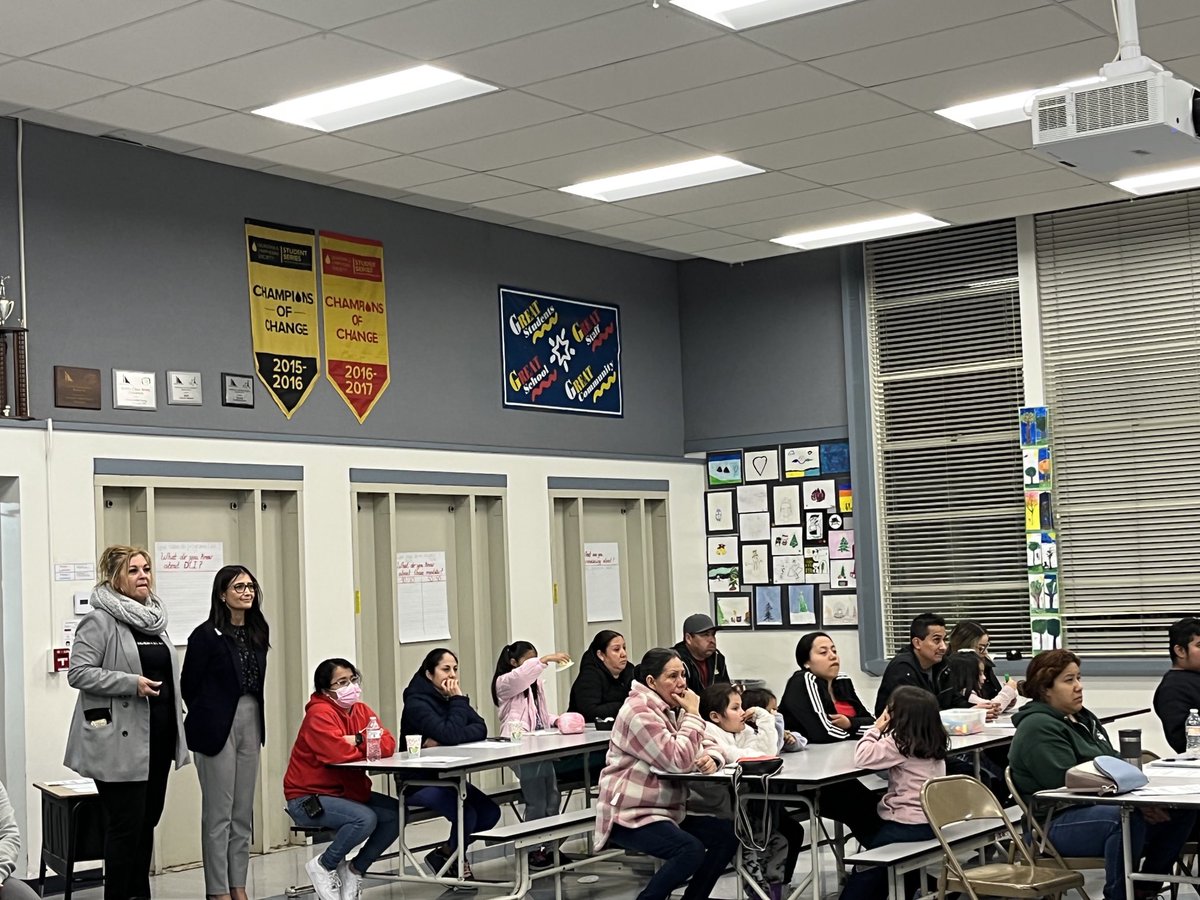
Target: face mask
(348, 695)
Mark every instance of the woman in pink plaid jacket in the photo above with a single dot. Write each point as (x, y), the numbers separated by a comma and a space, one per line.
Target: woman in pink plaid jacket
(659, 727)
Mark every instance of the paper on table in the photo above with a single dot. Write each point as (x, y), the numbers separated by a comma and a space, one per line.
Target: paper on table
(438, 760)
(491, 745)
(183, 572)
(602, 581)
(1165, 790)
(421, 603)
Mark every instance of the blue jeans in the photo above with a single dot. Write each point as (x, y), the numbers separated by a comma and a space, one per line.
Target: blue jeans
(377, 822)
(871, 883)
(1096, 831)
(539, 786)
(479, 812)
(698, 848)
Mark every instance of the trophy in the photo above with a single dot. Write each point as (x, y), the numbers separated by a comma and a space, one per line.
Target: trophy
(20, 358)
(6, 303)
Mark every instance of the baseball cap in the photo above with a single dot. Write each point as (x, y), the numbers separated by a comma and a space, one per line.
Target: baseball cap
(697, 623)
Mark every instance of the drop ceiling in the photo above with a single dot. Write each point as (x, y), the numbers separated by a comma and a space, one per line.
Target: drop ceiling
(836, 105)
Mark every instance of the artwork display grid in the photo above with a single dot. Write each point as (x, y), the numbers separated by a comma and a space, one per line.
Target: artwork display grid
(1041, 538)
(780, 536)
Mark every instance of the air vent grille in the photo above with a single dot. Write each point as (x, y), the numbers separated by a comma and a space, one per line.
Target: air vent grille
(1052, 113)
(1112, 106)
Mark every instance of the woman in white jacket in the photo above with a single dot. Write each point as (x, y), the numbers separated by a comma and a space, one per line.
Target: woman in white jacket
(11, 887)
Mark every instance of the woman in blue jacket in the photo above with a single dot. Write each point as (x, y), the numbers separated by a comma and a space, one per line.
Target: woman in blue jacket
(436, 708)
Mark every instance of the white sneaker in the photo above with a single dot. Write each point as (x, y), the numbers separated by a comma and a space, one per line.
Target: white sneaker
(327, 884)
(351, 883)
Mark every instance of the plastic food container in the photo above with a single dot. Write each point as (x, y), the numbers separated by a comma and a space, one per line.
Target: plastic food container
(964, 721)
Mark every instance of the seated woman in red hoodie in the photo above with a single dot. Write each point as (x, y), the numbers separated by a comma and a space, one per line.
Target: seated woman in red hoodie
(321, 794)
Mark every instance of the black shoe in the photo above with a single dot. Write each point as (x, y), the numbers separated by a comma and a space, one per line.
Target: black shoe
(541, 858)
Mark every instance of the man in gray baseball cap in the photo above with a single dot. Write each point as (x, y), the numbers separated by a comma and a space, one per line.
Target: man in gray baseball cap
(705, 664)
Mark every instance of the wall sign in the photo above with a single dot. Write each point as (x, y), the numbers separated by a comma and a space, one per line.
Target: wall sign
(560, 354)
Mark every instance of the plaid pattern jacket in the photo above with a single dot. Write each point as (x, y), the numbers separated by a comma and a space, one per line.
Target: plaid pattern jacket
(647, 735)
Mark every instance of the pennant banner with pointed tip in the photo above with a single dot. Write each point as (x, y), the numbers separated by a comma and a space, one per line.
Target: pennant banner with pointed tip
(354, 304)
(283, 311)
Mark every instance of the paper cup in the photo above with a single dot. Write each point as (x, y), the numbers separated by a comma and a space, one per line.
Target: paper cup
(414, 745)
(515, 731)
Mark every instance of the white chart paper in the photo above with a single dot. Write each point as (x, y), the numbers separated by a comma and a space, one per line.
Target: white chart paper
(602, 581)
(422, 605)
(183, 580)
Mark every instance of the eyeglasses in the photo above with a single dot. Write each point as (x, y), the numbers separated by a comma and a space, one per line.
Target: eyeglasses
(345, 682)
(242, 588)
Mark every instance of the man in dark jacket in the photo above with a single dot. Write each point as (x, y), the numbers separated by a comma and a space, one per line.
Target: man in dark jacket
(1179, 691)
(920, 665)
(705, 664)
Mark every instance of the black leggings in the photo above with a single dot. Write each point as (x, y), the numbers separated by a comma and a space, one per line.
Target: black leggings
(131, 811)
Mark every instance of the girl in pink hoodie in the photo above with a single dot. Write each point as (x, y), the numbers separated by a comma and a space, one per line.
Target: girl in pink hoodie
(518, 690)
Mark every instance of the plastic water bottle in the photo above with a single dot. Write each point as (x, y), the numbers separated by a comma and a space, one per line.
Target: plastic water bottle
(1193, 733)
(375, 738)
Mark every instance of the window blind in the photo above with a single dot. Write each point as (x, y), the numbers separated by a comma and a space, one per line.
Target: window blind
(944, 341)
(1119, 289)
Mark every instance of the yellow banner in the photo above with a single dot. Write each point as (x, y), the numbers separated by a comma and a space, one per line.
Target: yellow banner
(354, 301)
(283, 311)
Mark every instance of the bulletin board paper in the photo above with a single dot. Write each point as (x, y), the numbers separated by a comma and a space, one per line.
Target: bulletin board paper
(602, 581)
(422, 605)
(183, 577)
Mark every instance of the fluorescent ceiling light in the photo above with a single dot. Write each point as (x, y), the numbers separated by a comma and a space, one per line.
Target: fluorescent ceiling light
(860, 231)
(663, 178)
(376, 98)
(739, 14)
(1005, 109)
(1158, 182)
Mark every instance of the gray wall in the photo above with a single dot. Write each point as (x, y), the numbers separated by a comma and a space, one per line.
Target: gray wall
(136, 260)
(763, 355)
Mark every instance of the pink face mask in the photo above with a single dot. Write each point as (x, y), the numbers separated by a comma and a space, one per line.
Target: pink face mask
(348, 695)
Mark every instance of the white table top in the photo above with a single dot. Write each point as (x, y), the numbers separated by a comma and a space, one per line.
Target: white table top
(474, 758)
(1185, 782)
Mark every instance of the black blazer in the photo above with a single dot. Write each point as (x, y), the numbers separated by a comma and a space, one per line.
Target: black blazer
(211, 685)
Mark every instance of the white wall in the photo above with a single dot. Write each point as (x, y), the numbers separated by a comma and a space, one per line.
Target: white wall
(58, 526)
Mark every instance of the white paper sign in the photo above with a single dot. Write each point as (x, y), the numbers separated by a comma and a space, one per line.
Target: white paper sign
(422, 607)
(183, 580)
(602, 582)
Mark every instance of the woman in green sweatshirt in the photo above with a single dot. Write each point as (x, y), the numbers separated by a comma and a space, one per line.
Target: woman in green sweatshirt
(1055, 732)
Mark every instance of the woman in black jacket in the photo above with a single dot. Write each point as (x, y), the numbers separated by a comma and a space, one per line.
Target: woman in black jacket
(222, 685)
(437, 710)
(604, 680)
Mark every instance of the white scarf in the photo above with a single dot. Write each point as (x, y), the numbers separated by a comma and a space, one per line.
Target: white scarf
(150, 616)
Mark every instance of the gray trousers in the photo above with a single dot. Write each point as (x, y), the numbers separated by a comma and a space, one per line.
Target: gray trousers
(15, 889)
(227, 801)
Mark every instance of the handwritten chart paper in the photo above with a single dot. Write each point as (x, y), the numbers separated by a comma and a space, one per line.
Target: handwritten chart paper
(183, 580)
(602, 582)
(422, 607)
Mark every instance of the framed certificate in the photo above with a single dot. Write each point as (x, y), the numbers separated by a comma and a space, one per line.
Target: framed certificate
(238, 390)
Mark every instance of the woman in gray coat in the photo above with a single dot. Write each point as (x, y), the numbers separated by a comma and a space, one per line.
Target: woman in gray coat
(127, 728)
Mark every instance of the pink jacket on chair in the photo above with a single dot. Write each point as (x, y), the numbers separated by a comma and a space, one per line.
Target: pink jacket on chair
(515, 692)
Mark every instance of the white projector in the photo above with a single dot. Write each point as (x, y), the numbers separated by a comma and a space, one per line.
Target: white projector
(1119, 126)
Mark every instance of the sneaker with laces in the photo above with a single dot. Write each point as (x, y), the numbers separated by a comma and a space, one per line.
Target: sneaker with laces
(351, 883)
(327, 884)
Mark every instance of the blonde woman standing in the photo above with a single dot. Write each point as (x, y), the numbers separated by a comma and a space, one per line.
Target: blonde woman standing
(127, 727)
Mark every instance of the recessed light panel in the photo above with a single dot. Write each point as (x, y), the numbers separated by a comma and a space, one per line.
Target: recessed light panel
(662, 178)
(376, 98)
(1160, 182)
(1005, 109)
(739, 14)
(860, 231)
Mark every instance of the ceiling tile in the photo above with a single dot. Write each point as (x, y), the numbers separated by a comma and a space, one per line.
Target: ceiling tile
(280, 73)
(435, 30)
(402, 172)
(770, 208)
(324, 154)
(226, 158)
(648, 229)
(949, 174)
(536, 142)
(856, 140)
(63, 123)
(600, 162)
(828, 114)
(678, 69)
(735, 97)
(487, 215)
(669, 254)
(157, 141)
(1188, 69)
(142, 110)
(631, 247)
(537, 203)
(699, 241)
(31, 27)
(1043, 201)
(601, 40)
(741, 253)
(298, 174)
(954, 48)
(1002, 76)
(999, 189)
(196, 35)
(599, 216)
(855, 26)
(1018, 135)
(370, 190)
(475, 188)
(457, 122)
(591, 237)
(842, 215)
(240, 133)
(899, 159)
(1149, 13)
(1171, 41)
(435, 203)
(542, 227)
(736, 190)
(45, 87)
(323, 14)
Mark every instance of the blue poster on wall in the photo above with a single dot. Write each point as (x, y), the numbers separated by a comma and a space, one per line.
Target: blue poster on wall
(560, 354)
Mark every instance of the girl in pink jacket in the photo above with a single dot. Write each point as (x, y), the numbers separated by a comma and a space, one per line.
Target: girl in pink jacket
(518, 690)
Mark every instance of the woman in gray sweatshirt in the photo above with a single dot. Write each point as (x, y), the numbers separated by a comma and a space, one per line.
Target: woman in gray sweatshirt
(11, 887)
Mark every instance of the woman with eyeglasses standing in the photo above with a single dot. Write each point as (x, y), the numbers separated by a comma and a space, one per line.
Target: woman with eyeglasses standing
(222, 685)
